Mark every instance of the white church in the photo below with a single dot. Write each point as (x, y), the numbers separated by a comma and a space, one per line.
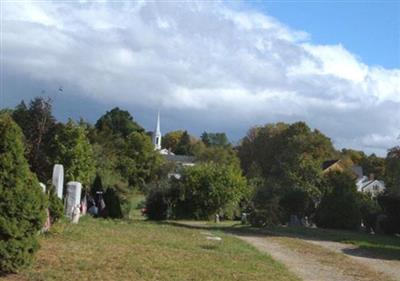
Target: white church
(180, 160)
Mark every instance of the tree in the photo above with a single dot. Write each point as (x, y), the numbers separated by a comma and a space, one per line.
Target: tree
(118, 122)
(37, 124)
(184, 146)
(340, 205)
(207, 189)
(72, 149)
(22, 202)
(392, 174)
(139, 161)
(288, 155)
(220, 155)
(214, 139)
(171, 140)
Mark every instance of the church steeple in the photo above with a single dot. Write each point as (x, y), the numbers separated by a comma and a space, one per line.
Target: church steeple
(157, 134)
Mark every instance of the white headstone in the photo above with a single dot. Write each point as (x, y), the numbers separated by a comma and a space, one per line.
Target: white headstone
(73, 197)
(43, 187)
(58, 179)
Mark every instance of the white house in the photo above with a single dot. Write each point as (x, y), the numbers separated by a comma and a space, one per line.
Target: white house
(370, 185)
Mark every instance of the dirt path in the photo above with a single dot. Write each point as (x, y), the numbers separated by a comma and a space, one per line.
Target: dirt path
(314, 262)
(387, 267)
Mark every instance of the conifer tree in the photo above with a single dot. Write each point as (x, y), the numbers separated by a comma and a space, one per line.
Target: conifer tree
(22, 202)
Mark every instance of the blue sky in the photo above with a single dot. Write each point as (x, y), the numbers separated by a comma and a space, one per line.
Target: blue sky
(369, 29)
(213, 66)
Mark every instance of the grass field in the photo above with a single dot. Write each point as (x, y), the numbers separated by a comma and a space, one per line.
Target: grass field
(140, 250)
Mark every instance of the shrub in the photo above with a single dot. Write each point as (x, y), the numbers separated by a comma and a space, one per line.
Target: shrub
(113, 204)
(340, 206)
(207, 189)
(157, 203)
(56, 206)
(22, 202)
(370, 210)
(390, 204)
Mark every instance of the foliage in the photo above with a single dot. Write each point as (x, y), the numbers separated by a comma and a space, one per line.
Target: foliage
(139, 161)
(289, 155)
(390, 204)
(370, 209)
(288, 158)
(72, 148)
(392, 175)
(219, 155)
(118, 122)
(296, 201)
(207, 189)
(37, 124)
(157, 202)
(56, 206)
(113, 204)
(22, 202)
(340, 206)
(171, 140)
(265, 209)
(184, 146)
(215, 139)
(371, 165)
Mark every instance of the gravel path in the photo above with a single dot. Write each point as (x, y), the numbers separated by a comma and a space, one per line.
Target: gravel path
(388, 267)
(320, 262)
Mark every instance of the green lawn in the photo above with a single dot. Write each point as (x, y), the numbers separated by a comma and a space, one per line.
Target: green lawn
(140, 250)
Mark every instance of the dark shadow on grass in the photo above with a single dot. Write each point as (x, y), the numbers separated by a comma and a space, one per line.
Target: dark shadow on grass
(373, 253)
(377, 246)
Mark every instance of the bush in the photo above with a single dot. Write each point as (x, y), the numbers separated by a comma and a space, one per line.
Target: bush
(22, 202)
(113, 204)
(340, 206)
(207, 189)
(370, 210)
(391, 206)
(157, 203)
(56, 206)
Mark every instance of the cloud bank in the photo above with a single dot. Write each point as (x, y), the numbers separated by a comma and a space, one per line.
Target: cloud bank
(207, 65)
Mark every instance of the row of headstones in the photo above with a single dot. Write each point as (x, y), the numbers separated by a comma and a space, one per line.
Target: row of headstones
(72, 199)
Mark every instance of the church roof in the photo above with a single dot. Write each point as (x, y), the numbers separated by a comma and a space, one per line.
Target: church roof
(184, 159)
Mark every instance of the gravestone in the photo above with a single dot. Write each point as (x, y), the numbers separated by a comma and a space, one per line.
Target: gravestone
(58, 180)
(73, 197)
(43, 186)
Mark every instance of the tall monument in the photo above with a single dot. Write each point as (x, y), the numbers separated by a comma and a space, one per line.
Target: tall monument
(157, 134)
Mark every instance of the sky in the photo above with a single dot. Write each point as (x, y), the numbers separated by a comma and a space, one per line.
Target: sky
(212, 65)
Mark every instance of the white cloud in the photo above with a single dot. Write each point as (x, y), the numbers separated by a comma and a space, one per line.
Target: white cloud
(204, 59)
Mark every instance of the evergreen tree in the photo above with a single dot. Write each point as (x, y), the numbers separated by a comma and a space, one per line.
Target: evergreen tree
(113, 204)
(22, 202)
